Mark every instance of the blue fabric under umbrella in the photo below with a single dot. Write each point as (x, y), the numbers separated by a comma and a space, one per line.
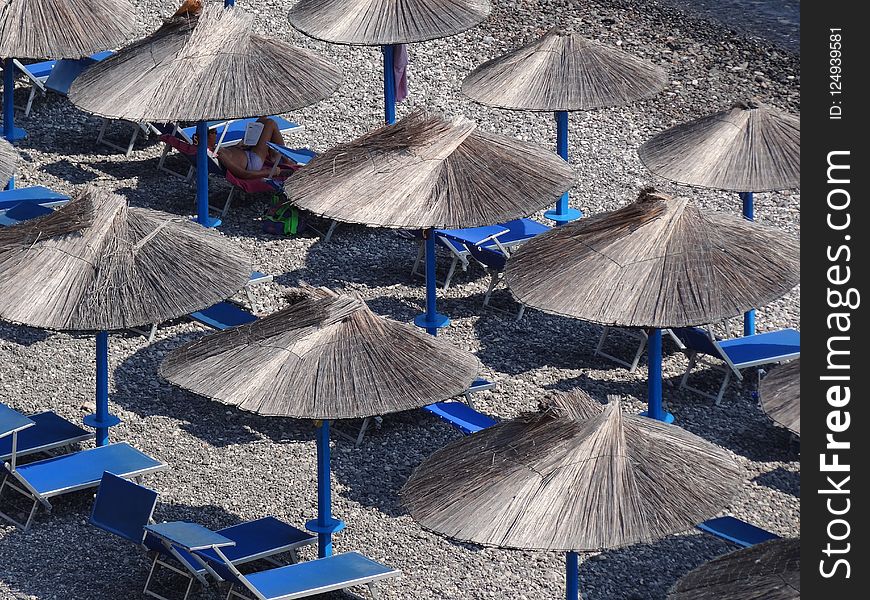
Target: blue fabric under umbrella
(325, 357)
(55, 29)
(97, 265)
(562, 72)
(747, 148)
(388, 24)
(577, 477)
(427, 172)
(657, 263)
(187, 72)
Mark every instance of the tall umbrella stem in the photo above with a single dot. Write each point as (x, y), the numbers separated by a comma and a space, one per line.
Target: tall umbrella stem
(10, 131)
(431, 321)
(654, 385)
(749, 214)
(562, 213)
(324, 525)
(389, 84)
(102, 420)
(202, 159)
(572, 576)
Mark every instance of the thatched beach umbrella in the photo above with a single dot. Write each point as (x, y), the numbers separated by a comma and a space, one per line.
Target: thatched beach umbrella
(8, 161)
(55, 29)
(202, 68)
(747, 148)
(780, 394)
(562, 72)
(657, 263)
(550, 481)
(427, 172)
(324, 357)
(97, 264)
(386, 23)
(768, 571)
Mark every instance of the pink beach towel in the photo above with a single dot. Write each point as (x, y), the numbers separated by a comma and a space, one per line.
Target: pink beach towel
(400, 70)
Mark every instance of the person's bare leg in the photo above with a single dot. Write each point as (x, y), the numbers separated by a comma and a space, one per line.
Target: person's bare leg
(270, 133)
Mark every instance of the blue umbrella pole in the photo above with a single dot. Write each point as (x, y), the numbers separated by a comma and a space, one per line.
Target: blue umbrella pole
(748, 213)
(102, 420)
(572, 576)
(654, 385)
(229, 2)
(324, 525)
(389, 85)
(431, 321)
(562, 213)
(202, 216)
(10, 131)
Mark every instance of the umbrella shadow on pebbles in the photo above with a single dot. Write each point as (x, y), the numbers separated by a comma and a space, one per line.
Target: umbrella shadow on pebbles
(787, 482)
(646, 571)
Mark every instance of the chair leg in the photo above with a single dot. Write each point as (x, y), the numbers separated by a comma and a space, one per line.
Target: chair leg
(153, 333)
(132, 140)
(492, 283)
(372, 591)
(329, 231)
(362, 431)
(723, 387)
(693, 359)
(521, 312)
(102, 133)
(421, 250)
(450, 273)
(30, 98)
(638, 354)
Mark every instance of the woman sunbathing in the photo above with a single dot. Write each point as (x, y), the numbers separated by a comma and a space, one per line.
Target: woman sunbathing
(249, 162)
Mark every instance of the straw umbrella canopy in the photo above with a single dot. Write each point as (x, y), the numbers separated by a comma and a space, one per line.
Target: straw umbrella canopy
(55, 29)
(386, 23)
(767, 571)
(428, 172)
(747, 148)
(780, 393)
(551, 481)
(97, 264)
(562, 72)
(657, 263)
(187, 71)
(324, 357)
(8, 161)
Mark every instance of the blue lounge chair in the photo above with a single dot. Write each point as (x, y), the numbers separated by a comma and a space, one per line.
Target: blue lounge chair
(65, 71)
(456, 241)
(223, 315)
(45, 431)
(44, 479)
(36, 194)
(737, 353)
(124, 508)
(37, 73)
(300, 580)
(735, 530)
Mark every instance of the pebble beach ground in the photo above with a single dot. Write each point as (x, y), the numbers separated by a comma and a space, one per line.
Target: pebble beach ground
(229, 466)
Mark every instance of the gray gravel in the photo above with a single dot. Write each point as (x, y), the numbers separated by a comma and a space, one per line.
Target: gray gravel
(229, 466)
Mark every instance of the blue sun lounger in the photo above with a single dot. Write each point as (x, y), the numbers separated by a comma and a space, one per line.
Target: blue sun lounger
(44, 479)
(737, 353)
(300, 580)
(463, 415)
(44, 432)
(456, 241)
(735, 530)
(124, 508)
(35, 194)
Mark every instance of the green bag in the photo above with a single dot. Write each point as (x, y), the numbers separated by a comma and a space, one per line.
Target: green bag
(283, 219)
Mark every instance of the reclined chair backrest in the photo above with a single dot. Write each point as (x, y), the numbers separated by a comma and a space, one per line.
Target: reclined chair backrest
(123, 507)
(697, 339)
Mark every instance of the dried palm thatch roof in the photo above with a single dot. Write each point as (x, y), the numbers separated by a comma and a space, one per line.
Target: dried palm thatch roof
(549, 482)
(426, 171)
(8, 161)
(563, 71)
(326, 356)
(43, 29)
(780, 393)
(658, 262)
(747, 148)
(97, 264)
(380, 22)
(207, 67)
(768, 571)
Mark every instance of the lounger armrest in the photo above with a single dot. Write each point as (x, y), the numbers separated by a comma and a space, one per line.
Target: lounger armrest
(188, 536)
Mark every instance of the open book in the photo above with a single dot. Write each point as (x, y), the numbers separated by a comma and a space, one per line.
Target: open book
(252, 133)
